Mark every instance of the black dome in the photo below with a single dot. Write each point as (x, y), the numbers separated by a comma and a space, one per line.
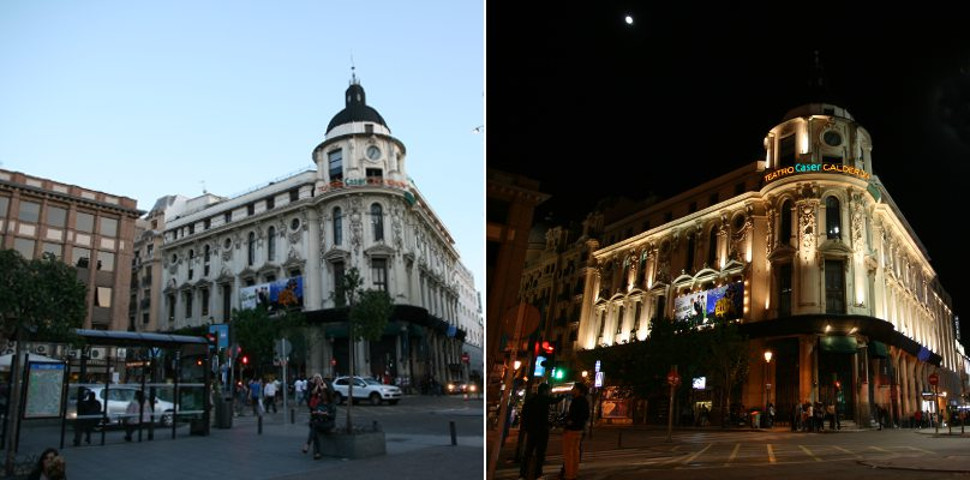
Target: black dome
(356, 109)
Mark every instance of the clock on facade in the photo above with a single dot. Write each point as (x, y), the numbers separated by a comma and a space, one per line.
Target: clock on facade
(832, 138)
(373, 152)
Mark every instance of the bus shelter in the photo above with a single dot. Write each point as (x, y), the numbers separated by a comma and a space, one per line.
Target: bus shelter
(172, 373)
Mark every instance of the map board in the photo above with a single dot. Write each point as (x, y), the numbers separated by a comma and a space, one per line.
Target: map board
(45, 386)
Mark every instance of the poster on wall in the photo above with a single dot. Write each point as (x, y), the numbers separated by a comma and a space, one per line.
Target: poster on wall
(281, 294)
(45, 382)
(726, 301)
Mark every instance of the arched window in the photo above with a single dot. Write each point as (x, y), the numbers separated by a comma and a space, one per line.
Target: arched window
(784, 236)
(271, 244)
(338, 231)
(377, 218)
(251, 249)
(712, 248)
(833, 219)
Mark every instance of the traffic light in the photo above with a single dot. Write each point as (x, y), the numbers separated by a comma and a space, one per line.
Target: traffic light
(245, 359)
(212, 338)
(558, 373)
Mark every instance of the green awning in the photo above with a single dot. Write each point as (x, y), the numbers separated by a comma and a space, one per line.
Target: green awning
(838, 344)
(878, 350)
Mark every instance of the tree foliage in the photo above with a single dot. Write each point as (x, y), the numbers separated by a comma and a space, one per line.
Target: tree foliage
(42, 298)
(257, 331)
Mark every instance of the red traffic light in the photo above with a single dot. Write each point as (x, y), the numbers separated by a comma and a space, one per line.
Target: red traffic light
(548, 347)
(245, 359)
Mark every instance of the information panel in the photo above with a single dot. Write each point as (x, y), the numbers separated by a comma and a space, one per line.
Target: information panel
(45, 382)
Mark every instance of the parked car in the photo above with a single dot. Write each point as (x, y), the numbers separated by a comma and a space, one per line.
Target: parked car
(118, 398)
(366, 389)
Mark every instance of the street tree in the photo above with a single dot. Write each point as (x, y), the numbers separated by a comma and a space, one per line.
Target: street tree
(40, 299)
(368, 315)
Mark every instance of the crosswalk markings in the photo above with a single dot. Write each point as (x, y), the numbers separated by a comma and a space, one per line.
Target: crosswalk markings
(734, 454)
(771, 454)
(692, 457)
(857, 456)
(879, 449)
(919, 449)
(809, 453)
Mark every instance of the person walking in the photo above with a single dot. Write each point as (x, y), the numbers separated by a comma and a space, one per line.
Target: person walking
(269, 396)
(87, 409)
(572, 435)
(256, 396)
(299, 387)
(535, 423)
(137, 412)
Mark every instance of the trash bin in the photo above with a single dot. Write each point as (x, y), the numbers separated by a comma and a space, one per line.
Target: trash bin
(755, 419)
(224, 413)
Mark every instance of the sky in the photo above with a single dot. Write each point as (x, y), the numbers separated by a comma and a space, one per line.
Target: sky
(151, 98)
(687, 93)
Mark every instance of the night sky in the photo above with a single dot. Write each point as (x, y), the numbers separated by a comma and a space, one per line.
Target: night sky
(591, 106)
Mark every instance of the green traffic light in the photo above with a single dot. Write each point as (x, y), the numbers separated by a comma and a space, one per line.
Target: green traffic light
(558, 374)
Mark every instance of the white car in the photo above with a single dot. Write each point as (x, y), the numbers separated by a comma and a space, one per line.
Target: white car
(366, 389)
(118, 398)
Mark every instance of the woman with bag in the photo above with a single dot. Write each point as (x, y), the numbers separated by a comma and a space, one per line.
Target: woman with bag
(323, 413)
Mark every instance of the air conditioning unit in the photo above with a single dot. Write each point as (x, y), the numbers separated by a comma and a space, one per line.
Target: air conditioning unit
(98, 353)
(41, 349)
(121, 353)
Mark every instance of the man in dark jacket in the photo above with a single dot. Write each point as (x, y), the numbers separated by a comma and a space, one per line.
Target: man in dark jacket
(87, 407)
(535, 424)
(572, 435)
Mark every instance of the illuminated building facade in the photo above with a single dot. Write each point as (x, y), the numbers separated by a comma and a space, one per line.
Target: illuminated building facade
(298, 235)
(808, 251)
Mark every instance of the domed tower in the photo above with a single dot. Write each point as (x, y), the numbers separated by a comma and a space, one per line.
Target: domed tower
(359, 149)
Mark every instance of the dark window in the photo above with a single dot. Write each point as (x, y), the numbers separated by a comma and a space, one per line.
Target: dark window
(29, 212)
(338, 280)
(188, 304)
(784, 236)
(713, 199)
(226, 301)
(270, 203)
(251, 249)
(191, 229)
(619, 320)
(377, 218)
(784, 290)
(636, 319)
(375, 176)
(786, 151)
(369, 128)
(205, 302)
(251, 209)
(338, 229)
(271, 244)
(379, 271)
(294, 194)
(205, 262)
(661, 306)
(834, 287)
(833, 219)
(227, 217)
(206, 223)
(336, 159)
(171, 307)
(602, 324)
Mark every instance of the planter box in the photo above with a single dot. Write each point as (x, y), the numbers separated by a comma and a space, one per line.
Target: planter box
(352, 445)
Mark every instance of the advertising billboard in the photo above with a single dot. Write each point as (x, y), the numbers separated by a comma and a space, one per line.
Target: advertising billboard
(278, 295)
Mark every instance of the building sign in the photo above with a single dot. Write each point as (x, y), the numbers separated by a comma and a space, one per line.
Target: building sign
(701, 307)
(816, 168)
(284, 293)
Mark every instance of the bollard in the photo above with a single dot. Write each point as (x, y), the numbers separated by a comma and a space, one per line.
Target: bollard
(376, 427)
(454, 438)
(259, 423)
(292, 415)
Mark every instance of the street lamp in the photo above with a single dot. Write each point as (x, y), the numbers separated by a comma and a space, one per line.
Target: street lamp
(767, 385)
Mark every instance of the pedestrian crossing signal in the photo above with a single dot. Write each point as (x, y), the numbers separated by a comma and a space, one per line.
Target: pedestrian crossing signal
(558, 373)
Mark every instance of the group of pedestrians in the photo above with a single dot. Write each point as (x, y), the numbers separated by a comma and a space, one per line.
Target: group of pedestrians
(812, 417)
(260, 394)
(535, 423)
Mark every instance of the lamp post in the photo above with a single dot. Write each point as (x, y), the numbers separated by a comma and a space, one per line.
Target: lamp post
(767, 385)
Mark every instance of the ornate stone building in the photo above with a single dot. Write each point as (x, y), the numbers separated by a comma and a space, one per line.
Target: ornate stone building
(299, 234)
(806, 249)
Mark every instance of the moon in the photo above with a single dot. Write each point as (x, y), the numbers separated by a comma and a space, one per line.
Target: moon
(629, 20)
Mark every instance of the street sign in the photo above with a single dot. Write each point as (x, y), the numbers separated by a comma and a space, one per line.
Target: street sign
(934, 379)
(282, 348)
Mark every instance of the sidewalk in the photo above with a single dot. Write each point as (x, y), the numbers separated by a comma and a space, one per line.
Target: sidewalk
(242, 452)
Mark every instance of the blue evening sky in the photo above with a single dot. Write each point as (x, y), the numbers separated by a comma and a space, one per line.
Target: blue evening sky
(149, 98)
